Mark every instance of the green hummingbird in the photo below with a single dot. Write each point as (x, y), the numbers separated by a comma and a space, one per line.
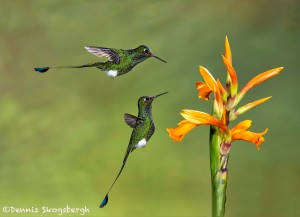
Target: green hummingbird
(119, 61)
(143, 129)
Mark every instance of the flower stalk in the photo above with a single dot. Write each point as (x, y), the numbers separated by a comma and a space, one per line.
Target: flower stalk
(218, 168)
(225, 101)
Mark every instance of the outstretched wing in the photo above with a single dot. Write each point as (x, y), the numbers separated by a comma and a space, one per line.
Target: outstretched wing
(132, 120)
(104, 52)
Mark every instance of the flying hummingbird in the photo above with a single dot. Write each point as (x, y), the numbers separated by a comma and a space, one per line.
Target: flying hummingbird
(143, 129)
(119, 61)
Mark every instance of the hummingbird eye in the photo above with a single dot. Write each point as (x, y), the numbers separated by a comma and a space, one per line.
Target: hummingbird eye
(146, 99)
(146, 51)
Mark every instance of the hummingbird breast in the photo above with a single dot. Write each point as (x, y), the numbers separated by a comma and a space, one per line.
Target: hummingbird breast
(141, 135)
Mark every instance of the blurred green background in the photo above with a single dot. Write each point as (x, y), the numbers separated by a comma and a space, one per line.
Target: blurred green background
(63, 137)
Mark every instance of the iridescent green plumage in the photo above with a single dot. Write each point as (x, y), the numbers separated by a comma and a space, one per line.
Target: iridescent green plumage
(143, 129)
(119, 61)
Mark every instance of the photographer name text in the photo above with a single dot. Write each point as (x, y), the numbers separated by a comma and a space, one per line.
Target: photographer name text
(45, 209)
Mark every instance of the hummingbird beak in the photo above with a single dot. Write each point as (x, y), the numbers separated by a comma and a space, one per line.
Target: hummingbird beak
(159, 58)
(154, 97)
(159, 95)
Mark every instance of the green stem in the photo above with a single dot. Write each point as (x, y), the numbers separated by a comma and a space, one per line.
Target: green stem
(218, 165)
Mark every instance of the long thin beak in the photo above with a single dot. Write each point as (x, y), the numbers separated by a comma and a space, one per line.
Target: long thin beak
(159, 59)
(160, 94)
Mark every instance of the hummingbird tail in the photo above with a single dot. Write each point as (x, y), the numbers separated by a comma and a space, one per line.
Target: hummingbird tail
(45, 69)
(42, 69)
(104, 201)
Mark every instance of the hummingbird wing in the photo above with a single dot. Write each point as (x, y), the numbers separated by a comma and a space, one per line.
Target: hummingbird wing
(109, 53)
(132, 120)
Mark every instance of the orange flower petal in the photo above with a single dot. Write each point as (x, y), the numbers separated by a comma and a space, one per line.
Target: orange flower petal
(224, 118)
(202, 118)
(218, 105)
(255, 138)
(242, 126)
(204, 90)
(260, 78)
(249, 106)
(239, 132)
(227, 52)
(213, 86)
(208, 78)
(230, 70)
(221, 88)
(179, 132)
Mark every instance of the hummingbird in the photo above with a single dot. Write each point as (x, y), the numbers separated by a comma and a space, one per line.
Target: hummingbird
(119, 61)
(143, 129)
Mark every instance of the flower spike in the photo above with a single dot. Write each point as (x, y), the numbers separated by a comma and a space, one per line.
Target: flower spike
(225, 100)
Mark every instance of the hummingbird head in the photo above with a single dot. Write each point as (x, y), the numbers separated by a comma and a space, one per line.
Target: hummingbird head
(146, 101)
(144, 52)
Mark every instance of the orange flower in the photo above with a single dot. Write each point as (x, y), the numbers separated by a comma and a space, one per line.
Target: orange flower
(179, 132)
(227, 52)
(224, 107)
(204, 90)
(224, 111)
(230, 70)
(239, 132)
(228, 57)
(247, 107)
(261, 78)
(222, 90)
(196, 118)
(202, 118)
(208, 78)
(193, 119)
(257, 80)
(210, 85)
